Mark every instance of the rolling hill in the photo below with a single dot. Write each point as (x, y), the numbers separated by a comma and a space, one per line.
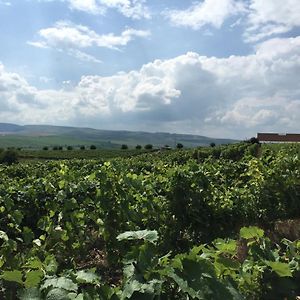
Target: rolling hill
(37, 136)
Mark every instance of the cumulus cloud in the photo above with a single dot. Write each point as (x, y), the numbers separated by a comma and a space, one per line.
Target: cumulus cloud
(235, 96)
(208, 12)
(68, 37)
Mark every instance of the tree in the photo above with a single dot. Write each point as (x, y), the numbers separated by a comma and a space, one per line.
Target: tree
(55, 148)
(212, 144)
(179, 146)
(9, 157)
(82, 147)
(124, 147)
(45, 148)
(60, 148)
(253, 140)
(69, 148)
(148, 146)
(93, 147)
(138, 147)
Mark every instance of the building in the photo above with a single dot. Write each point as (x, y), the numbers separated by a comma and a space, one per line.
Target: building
(278, 137)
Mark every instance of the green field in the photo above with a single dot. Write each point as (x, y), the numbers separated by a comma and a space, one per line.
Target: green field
(25, 155)
(207, 223)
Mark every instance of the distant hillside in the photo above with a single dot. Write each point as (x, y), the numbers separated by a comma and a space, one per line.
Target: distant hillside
(36, 136)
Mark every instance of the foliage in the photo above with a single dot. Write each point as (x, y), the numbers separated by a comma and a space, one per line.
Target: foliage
(148, 147)
(8, 157)
(76, 229)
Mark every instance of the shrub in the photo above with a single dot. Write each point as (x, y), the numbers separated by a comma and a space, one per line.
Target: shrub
(148, 146)
(179, 146)
(93, 147)
(69, 148)
(9, 157)
(46, 148)
(55, 148)
(82, 147)
(124, 147)
(253, 140)
(212, 144)
(138, 147)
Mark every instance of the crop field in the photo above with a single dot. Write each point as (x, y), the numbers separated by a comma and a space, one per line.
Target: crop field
(77, 154)
(211, 223)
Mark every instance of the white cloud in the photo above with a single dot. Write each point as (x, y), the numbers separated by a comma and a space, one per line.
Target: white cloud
(68, 37)
(134, 9)
(207, 12)
(271, 17)
(89, 6)
(234, 96)
(260, 19)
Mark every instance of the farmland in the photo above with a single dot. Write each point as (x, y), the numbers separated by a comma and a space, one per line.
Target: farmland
(181, 224)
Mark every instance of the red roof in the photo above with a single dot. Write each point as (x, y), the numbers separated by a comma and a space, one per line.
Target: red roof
(278, 137)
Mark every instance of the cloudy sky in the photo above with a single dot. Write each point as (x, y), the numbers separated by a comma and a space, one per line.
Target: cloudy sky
(221, 68)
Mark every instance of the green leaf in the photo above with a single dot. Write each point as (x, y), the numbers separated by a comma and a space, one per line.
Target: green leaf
(3, 236)
(87, 277)
(228, 263)
(282, 269)
(33, 278)
(60, 283)
(251, 232)
(146, 235)
(57, 294)
(34, 263)
(14, 276)
(153, 287)
(51, 264)
(30, 294)
(28, 235)
(61, 184)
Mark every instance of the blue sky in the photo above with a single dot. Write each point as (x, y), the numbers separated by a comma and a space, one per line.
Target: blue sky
(224, 68)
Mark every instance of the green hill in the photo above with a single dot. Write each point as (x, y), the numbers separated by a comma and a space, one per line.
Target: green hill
(37, 136)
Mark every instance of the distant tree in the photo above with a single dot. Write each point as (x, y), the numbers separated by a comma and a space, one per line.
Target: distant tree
(55, 148)
(93, 147)
(46, 148)
(212, 144)
(69, 148)
(60, 148)
(124, 147)
(9, 157)
(148, 147)
(82, 147)
(179, 146)
(253, 140)
(138, 147)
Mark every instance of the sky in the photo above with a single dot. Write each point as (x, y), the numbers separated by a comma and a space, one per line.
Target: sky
(219, 68)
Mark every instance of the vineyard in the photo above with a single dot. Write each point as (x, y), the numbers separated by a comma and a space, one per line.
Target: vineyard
(213, 223)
